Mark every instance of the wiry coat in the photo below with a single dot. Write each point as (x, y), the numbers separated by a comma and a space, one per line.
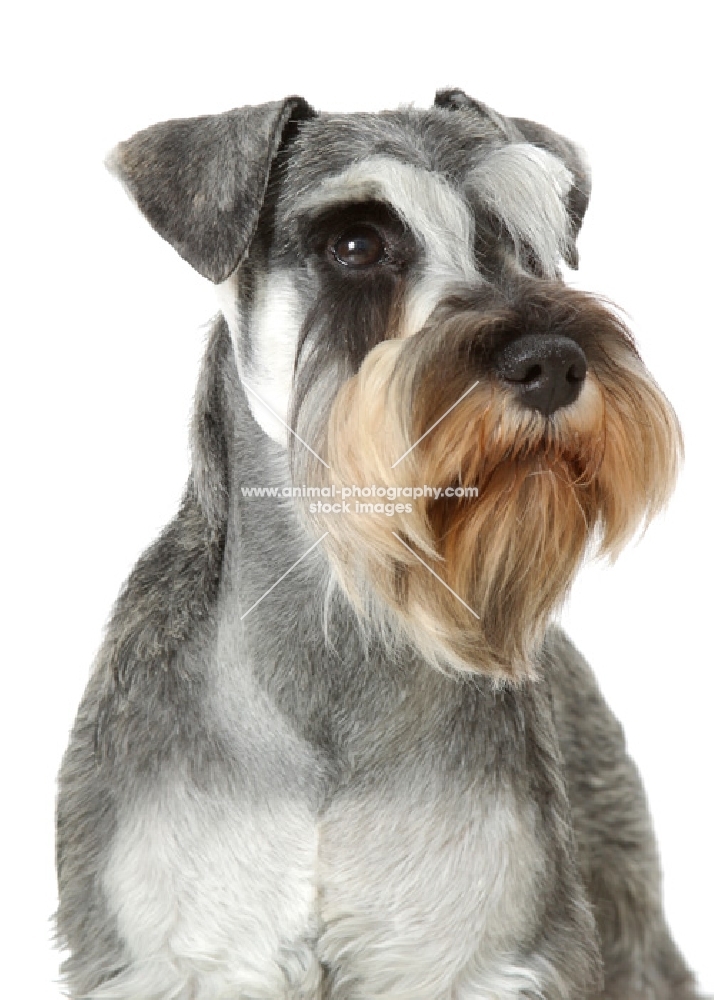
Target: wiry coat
(287, 805)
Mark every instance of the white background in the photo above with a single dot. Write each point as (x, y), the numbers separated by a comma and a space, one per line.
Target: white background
(102, 335)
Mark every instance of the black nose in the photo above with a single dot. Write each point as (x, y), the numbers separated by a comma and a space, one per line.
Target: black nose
(546, 372)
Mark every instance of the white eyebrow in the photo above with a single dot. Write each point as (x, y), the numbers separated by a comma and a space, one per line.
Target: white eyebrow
(435, 212)
(526, 188)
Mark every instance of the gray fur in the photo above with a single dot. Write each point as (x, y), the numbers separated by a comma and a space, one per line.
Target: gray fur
(329, 751)
(544, 138)
(201, 181)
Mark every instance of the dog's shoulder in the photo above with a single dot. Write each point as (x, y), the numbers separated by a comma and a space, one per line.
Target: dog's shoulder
(581, 712)
(167, 601)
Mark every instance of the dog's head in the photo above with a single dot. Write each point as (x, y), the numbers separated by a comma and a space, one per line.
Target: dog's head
(392, 287)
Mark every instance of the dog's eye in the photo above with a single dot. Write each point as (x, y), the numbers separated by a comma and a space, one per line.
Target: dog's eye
(359, 246)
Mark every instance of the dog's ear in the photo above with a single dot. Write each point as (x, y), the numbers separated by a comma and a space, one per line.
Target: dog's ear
(453, 99)
(201, 182)
(518, 129)
(574, 159)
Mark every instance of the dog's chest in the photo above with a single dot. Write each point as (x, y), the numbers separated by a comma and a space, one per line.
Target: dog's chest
(422, 889)
(406, 881)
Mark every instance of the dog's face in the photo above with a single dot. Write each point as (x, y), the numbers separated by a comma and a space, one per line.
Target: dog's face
(392, 287)
(370, 221)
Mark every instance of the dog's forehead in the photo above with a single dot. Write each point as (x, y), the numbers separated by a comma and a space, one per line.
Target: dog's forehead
(441, 171)
(446, 142)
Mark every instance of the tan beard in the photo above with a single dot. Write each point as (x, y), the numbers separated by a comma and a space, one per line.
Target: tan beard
(474, 581)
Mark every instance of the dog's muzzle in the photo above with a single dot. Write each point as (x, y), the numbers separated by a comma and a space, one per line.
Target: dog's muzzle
(535, 398)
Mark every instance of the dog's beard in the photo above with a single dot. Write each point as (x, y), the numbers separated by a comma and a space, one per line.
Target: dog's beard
(474, 581)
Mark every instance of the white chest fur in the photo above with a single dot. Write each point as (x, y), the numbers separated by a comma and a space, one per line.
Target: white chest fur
(426, 900)
(408, 902)
(215, 901)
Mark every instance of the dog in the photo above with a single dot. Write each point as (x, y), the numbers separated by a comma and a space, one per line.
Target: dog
(334, 745)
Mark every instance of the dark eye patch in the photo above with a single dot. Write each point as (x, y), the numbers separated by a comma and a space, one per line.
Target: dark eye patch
(356, 300)
(357, 237)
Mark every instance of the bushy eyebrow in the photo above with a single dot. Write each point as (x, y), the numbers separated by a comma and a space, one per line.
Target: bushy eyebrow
(526, 189)
(426, 202)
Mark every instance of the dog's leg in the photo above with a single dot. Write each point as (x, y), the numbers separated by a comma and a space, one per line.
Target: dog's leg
(616, 845)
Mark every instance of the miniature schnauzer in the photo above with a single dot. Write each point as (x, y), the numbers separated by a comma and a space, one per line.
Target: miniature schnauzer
(339, 750)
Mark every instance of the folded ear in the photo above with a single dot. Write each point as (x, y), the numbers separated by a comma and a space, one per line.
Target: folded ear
(201, 182)
(518, 129)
